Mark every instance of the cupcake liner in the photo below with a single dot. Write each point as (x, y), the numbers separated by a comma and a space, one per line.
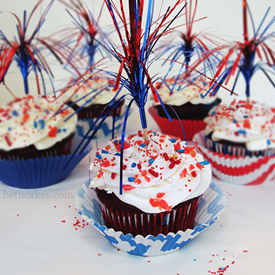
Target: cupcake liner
(94, 111)
(181, 217)
(237, 169)
(210, 208)
(237, 151)
(173, 128)
(83, 125)
(40, 172)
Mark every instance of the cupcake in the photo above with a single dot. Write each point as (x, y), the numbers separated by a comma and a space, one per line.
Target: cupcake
(189, 103)
(241, 129)
(36, 139)
(163, 182)
(89, 100)
(239, 141)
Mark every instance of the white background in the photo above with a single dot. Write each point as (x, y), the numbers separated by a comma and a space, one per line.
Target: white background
(34, 240)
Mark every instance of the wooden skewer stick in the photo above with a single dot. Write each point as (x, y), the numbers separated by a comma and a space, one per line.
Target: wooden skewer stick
(145, 132)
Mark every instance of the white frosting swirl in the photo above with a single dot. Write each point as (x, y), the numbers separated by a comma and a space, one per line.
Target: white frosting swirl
(252, 124)
(183, 93)
(94, 91)
(155, 178)
(32, 121)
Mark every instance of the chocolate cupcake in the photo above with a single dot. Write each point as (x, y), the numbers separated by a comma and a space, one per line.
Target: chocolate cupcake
(36, 142)
(239, 141)
(89, 100)
(241, 129)
(189, 103)
(163, 182)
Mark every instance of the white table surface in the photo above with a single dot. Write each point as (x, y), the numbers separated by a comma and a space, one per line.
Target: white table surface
(39, 236)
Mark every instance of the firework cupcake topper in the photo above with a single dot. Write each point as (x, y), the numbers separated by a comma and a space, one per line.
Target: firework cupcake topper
(25, 53)
(87, 30)
(182, 50)
(190, 43)
(137, 48)
(247, 51)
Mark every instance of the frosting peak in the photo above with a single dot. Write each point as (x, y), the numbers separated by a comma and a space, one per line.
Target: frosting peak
(98, 90)
(184, 92)
(157, 175)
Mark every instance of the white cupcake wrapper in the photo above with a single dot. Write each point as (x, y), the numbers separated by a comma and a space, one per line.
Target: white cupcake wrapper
(237, 170)
(83, 125)
(210, 208)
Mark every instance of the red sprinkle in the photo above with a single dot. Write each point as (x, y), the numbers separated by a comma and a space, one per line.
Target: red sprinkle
(160, 195)
(154, 202)
(113, 175)
(154, 173)
(105, 163)
(165, 156)
(172, 165)
(8, 141)
(194, 173)
(139, 166)
(127, 187)
(52, 132)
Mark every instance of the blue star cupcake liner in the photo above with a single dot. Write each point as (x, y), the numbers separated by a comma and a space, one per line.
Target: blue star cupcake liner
(212, 205)
(40, 172)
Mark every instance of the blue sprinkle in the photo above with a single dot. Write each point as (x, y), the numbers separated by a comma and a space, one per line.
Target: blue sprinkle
(59, 130)
(98, 156)
(115, 141)
(47, 111)
(143, 145)
(42, 124)
(35, 124)
(234, 120)
(246, 116)
(180, 150)
(151, 160)
(204, 162)
(15, 113)
(76, 96)
(221, 225)
(64, 129)
(173, 140)
(9, 128)
(104, 152)
(134, 164)
(268, 142)
(118, 154)
(194, 260)
(222, 268)
(131, 179)
(213, 113)
(241, 132)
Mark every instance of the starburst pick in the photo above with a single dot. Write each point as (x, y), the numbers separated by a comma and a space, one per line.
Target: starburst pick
(244, 53)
